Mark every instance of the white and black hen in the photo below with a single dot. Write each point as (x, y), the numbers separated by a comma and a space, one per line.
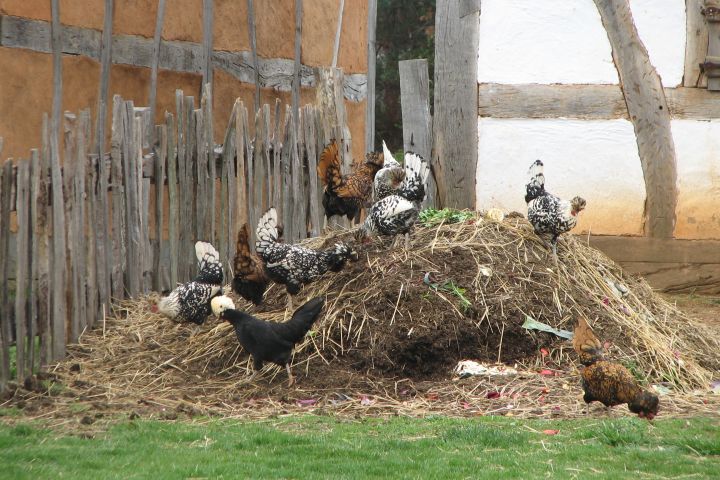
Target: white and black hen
(389, 178)
(395, 214)
(293, 265)
(190, 301)
(550, 215)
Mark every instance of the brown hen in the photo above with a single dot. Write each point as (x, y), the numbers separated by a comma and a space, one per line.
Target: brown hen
(250, 279)
(346, 194)
(607, 382)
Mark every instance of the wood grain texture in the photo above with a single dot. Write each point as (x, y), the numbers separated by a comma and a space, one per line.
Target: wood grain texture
(207, 42)
(155, 62)
(91, 256)
(648, 109)
(713, 47)
(455, 136)
(173, 203)
(692, 278)
(209, 148)
(587, 102)
(658, 250)
(58, 265)
(160, 244)
(696, 44)
(338, 32)
(22, 274)
(416, 118)
(103, 91)
(36, 294)
(44, 220)
(119, 235)
(6, 180)
(371, 62)
(253, 50)
(296, 66)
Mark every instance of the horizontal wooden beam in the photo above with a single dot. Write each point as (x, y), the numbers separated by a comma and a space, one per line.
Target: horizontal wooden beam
(275, 73)
(657, 250)
(591, 102)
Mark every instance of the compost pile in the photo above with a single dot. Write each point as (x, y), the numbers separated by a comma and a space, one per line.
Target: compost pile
(396, 323)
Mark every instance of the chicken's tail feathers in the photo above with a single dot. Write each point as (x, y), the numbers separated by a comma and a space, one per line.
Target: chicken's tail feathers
(417, 171)
(302, 320)
(242, 261)
(586, 344)
(536, 181)
(388, 158)
(267, 231)
(328, 168)
(210, 268)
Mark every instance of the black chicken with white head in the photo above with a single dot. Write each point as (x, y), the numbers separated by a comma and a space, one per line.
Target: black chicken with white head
(550, 215)
(269, 341)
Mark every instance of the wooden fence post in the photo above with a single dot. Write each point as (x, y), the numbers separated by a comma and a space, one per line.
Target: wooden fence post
(455, 116)
(416, 118)
(119, 235)
(173, 204)
(6, 182)
(157, 41)
(159, 173)
(253, 48)
(22, 276)
(105, 62)
(372, 58)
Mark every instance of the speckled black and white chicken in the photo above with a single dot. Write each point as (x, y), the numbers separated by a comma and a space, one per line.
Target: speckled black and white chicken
(293, 265)
(395, 214)
(190, 302)
(389, 178)
(550, 215)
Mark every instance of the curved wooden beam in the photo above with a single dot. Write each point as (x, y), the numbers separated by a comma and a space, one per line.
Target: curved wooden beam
(648, 109)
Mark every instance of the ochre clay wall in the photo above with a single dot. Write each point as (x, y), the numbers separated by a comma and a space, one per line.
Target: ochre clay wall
(26, 81)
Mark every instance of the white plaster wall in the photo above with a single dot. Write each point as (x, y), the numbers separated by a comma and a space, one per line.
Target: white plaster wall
(564, 41)
(697, 148)
(597, 160)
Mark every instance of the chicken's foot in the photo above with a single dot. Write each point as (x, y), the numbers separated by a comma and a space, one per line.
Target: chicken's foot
(291, 379)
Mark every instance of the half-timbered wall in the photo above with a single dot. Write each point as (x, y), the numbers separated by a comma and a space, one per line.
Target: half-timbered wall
(549, 88)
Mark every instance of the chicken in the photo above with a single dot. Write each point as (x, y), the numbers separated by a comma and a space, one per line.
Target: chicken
(269, 341)
(293, 265)
(190, 302)
(346, 194)
(607, 382)
(397, 213)
(389, 178)
(250, 279)
(548, 214)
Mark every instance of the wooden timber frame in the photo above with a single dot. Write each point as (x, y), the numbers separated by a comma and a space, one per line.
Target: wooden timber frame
(667, 263)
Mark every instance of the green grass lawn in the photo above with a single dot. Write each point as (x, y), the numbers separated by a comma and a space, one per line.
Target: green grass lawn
(323, 447)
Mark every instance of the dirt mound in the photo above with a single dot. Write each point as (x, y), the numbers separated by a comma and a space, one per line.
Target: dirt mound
(461, 291)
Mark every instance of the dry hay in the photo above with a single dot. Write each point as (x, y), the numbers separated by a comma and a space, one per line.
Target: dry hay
(388, 341)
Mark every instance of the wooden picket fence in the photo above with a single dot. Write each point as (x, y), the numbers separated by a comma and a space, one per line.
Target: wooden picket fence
(85, 231)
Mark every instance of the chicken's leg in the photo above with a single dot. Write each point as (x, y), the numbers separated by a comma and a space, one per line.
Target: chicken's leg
(291, 379)
(407, 241)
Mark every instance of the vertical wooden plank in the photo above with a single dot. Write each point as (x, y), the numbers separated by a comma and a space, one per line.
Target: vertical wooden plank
(258, 180)
(44, 219)
(372, 58)
(241, 178)
(157, 39)
(342, 129)
(209, 147)
(147, 250)
(159, 173)
(228, 191)
(22, 272)
(173, 204)
(455, 138)
(338, 32)
(201, 180)
(105, 62)
(8, 178)
(90, 235)
(310, 147)
(298, 181)
(253, 48)
(72, 252)
(58, 267)
(132, 134)
(189, 218)
(119, 234)
(35, 297)
(207, 42)
(296, 66)
(277, 142)
(697, 42)
(288, 193)
(267, 169)
(416, 119)
(182, 184)
(103, 246)
(78, 226)
(249, 175)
